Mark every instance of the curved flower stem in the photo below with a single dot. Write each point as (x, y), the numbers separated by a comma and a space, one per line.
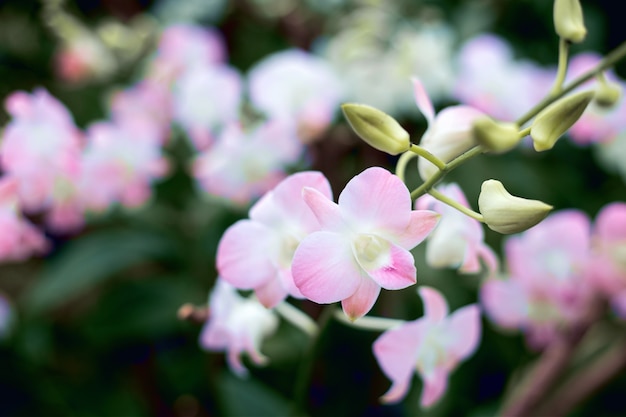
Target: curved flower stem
(403, 161)
(297, 318)
(428, 156)
(584, 383)
(455, 204)
(609, 60)
(549, 367)
(437, 176)
(524, 132)
(378, 324)
(562, 69)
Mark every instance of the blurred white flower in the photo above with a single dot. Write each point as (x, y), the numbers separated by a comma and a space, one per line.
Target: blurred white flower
(295, 84)
(376, 54)
(236, 325)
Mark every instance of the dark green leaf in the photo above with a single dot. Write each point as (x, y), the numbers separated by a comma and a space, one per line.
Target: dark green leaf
(90, 260)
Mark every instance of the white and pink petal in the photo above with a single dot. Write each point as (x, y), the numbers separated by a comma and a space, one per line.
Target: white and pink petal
(244, 254)
(324, 268)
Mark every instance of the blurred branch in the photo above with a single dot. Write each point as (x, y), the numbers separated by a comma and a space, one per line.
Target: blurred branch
(548, 368)
(586, 382)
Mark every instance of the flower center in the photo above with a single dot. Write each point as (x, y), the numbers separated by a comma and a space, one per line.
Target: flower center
(288, 246)
(432, 353)
(371, 251)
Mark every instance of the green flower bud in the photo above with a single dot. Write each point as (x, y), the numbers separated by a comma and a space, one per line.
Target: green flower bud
(607, 94)
(377, 128)
(507, 214)
(557, 118)
(495, 136)
(568, 20)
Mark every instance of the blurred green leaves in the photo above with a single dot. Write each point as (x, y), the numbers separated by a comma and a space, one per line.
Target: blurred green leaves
(88, 261)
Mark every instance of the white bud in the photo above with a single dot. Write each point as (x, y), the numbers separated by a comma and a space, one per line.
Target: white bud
(505, 213)
(377, 128)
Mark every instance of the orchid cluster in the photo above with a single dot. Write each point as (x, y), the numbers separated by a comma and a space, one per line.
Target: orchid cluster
(298, 242)
(63, 172)
(246, 136)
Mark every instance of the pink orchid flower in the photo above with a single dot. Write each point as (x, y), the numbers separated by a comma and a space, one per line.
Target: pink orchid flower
(493, 81)
(297, 85)
(205, 98)
(236, 325)
(458, 240)
(363, 244)
(39, 145)
(184, 46)
(433, 345)
(257, 253)
(547, 287)
(149, 101)
(245, 164)
(121, 161)
(449, 134)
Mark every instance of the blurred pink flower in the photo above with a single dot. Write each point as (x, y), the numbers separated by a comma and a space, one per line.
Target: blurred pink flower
(19, 238)
(149, 101)
(491, 80)
(205, 99)
(83, 58)
(243, 165)
(183, 47)
(120, 163)
(297, 85)
(607, 269)
(546, 287)
(236, 325)
(458, 240)
(596, 125)
(40, 145)
(433, 345)
(363, 244)
(449, 134)
(257, 253)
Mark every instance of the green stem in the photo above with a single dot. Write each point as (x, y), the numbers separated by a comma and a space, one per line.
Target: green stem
(377, 324)
(402, 164)
(297, 318)
(562, 69)
(437, 176)
(602, 78)
(524, 132)
(609, 60)
(428, 156)
(455, 204)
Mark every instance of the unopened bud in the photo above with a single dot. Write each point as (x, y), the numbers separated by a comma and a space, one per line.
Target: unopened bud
(557, 118)
(495, 136)
(505, 213)
(607, 94)
(568, 20)
(377, 128)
